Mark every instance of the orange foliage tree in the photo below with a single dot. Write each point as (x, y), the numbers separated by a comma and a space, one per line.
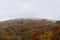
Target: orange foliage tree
(56, 33)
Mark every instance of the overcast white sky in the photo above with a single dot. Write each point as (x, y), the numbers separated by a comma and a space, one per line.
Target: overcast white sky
(10, 9)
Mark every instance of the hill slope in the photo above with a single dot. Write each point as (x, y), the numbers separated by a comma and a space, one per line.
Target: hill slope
(24, 29)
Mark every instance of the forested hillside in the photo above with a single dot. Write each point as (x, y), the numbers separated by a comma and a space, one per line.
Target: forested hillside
(28, 29)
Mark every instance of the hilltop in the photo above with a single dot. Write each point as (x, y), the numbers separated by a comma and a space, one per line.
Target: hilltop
(25, 28)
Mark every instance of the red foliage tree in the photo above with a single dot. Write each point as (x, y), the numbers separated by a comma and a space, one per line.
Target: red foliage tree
(36, 36)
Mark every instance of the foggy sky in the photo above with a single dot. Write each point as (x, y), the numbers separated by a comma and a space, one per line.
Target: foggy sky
(10, 9)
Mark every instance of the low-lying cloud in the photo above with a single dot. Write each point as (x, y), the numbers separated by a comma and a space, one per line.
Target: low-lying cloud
(10, 9)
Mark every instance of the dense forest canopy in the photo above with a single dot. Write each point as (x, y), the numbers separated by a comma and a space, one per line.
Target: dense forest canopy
(28, 29)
